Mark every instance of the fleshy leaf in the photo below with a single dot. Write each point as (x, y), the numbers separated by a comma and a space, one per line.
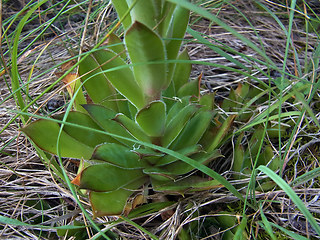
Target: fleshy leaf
(177, 30)
(221, 133)
(96, 83)
(185, 151)
(116, 45)
(117, 155)
(44, 133)
(152, 118)
(86, 136)
(149, 208)
(103, 117)
(105, 177)
(177, 107)
(207, 102)
(122, 7)
(120, 75)
(177, 124)
(144, 11)
(189, 89)
(132, 127)
(182, 71)
(193, 131)
(147, 54)
(180, 167)
(114, 202)
(192, 183)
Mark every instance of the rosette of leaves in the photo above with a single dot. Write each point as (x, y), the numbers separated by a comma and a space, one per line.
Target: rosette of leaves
(140, 97)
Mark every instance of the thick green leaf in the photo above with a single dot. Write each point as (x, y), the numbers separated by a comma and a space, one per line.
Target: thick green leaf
(96, 83)
(106, 177)
(158, 174)
(192, 183)
(221, 133)
(86, 136)
(185, 151)
(180, 167)
(147, 152)
(117, 46)
(268, 155)
(240, 232)
(165, 18)
(193, 131)
(207, 102)
(177, 123)
(177, 106)
(132, 127)
(152, 118)
(117, 155)
(109, 203)
(182, 71)
(120, 75)
(238, 155)
(44, 133)
(189, 89)
(144, 12)
(122, 7)
(103, 117)
(175, 34)
(147, 54)
(176, 168)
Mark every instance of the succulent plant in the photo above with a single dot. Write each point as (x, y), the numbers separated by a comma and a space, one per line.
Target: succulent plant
(139, 95)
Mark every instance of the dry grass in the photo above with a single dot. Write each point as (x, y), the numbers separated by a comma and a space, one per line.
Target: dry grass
(27, 183)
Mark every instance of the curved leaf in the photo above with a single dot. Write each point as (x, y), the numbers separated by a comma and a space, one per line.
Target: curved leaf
(120, 75)
(105, 177)
(86, 136)
(189, 89)
(117, 46)
(103, 117)
(182, 71)
(192, 183)
(177, 30)
(152, 118)
(176, 125)
(193, 131)
(185, 151)
(109, 203)
(132, 127)
(117, 155)
(147, 54)
(122, 7)
(144, 11)
(96, 83)
(44, 133)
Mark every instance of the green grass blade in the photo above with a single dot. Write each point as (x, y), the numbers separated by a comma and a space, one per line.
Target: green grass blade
(267, 225)
(14, 71)
(218, 50)
(204, 13)
(293, 196)
(306, 177)
(290, 233)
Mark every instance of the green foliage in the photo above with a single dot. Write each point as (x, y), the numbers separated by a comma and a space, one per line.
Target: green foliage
(139, 93)
(128, 106)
